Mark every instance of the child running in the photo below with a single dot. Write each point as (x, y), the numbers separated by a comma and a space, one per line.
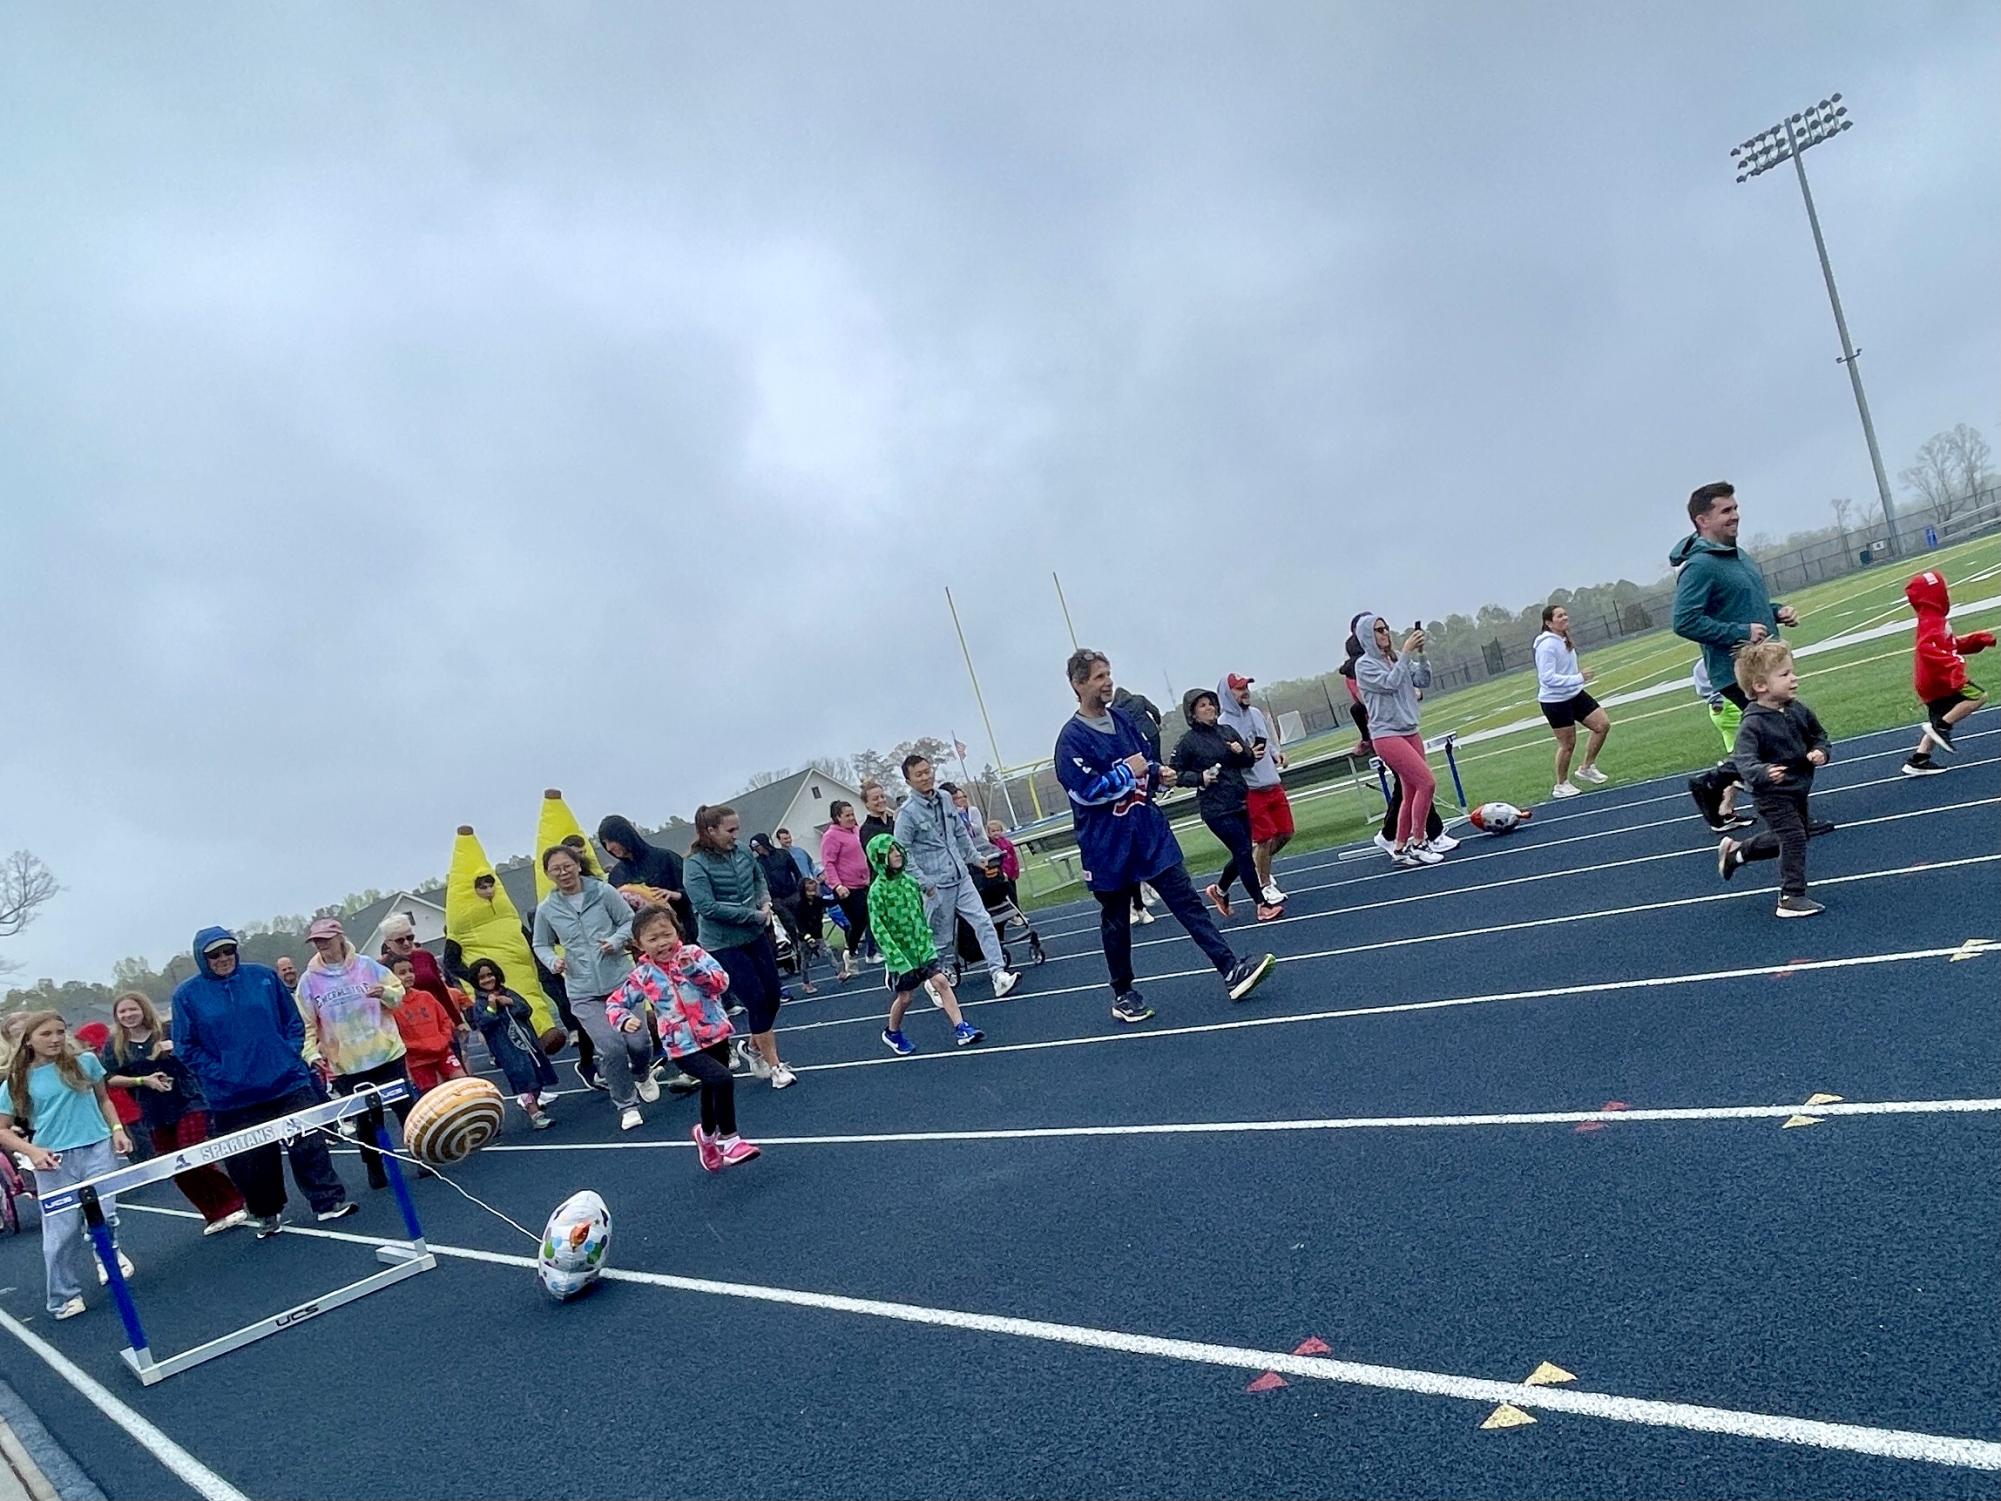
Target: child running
(683, 989)
(428, 1028)
(507, 1022)
(1780, 745)
(1939, 672)
(60, 1094)
(910, 954)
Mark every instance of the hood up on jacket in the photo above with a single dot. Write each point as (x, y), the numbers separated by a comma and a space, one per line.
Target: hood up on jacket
(1364, 637)
(1195, 696)
(616, 829)
(878, 856)
(203, 939)
(1928, 594)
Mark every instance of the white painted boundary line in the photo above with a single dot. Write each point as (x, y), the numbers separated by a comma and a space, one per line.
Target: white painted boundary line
(1853, 1438)
(1343, 1123)
(1546, 992)
(1414, 940)
(190, 1471)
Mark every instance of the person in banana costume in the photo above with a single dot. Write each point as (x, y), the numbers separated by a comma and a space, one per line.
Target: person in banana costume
(482, 920)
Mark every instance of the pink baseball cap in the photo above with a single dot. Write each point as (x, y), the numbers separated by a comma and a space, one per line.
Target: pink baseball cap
(326, 927)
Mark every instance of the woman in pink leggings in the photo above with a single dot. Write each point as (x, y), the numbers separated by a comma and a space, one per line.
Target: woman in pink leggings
(1389, 679)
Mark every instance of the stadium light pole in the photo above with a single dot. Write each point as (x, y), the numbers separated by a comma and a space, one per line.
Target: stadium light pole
(1789, 141)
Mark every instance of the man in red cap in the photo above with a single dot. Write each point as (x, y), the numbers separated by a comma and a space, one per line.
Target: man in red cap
(1265, 800)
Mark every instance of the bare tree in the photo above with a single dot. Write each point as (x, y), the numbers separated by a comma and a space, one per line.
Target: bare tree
(764, 779)
(1931, 478)
(1844, 515)
(840, 768)
(25, 884)
(1970, 459)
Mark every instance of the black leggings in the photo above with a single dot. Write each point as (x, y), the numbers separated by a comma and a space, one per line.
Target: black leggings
(1361, 717)
(855, 906)
(1433, 826)
(711, 1065)
(1234, 831)
(382, 1073)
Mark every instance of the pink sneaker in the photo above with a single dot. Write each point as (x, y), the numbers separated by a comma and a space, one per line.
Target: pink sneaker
(738, 1151)
(708, 1151)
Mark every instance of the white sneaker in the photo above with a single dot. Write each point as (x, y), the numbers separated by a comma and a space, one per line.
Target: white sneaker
(1273, 896)
(540, 1121)
(1590, 774)
(783, 1077)
(69, 1310)
(1382, 842)
(1566, 789)
(1005, 981)
(1417, 854)
(227, 1222)
(124, 1265)
(1141, 916)
(1445, 844)
(649, 1091)
(630, 1120)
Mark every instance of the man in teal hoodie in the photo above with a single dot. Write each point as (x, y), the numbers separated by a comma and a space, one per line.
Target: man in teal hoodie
(1721, 602)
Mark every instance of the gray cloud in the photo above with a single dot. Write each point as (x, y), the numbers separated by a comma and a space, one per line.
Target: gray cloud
(410, 407)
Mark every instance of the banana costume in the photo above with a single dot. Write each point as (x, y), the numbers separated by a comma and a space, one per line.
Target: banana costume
(557, 823)
(491, 930)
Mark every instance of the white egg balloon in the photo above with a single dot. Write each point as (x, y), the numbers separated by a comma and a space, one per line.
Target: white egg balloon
(1500, 818)
(576, 1244)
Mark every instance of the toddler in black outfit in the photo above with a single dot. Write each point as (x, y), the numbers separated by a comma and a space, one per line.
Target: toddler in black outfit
(1780, 745)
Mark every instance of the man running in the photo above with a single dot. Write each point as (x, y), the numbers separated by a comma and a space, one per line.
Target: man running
(1266, 802)
(1721, 602)
(1102, 762)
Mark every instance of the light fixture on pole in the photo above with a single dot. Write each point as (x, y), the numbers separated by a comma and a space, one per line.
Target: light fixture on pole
(1788, 141)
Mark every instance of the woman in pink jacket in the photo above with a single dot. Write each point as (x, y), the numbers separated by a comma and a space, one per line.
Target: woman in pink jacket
(844, 867)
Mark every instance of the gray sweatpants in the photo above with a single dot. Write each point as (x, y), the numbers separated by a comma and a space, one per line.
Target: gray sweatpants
(623, 1057)
(66, 1254)
(948, 904)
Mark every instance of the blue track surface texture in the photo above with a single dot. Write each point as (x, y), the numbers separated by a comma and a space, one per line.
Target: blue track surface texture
(1747, 1309)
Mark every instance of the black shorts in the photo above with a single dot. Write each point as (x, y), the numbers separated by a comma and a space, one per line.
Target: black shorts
(1578, 707)
(904, 984)
(754, 983)
(1937, 708)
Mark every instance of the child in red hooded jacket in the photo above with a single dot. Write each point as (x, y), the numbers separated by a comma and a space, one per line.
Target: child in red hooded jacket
(1939, 673)
(428, 1028)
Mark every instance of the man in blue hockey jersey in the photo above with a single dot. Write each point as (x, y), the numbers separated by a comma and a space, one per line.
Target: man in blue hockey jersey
(1106, 766)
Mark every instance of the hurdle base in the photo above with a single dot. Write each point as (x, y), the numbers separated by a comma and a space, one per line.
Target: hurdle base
(403, 1261)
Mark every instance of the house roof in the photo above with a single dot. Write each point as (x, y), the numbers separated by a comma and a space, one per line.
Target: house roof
(761, 810)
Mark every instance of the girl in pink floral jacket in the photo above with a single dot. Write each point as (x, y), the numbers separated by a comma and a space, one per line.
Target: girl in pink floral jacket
(684, 988)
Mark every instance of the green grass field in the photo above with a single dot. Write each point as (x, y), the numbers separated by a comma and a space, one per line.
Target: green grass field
(1854, 689)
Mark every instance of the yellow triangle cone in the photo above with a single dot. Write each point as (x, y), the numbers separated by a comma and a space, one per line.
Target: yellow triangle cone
(1801, 1120)
(491, 929)
(1824, 1099)
(557, 823)
(1547, 1374)
(1507, 1415)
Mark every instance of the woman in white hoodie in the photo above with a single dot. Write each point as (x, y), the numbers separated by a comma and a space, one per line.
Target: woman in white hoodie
(1560, 691)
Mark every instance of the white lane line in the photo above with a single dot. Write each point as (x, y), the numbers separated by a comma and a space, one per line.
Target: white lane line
(1546, 992)
(190, 1471)
(1595, 809)
(1534, 877)
(1853, 1438)
(1418, 939)
(1341, 1123)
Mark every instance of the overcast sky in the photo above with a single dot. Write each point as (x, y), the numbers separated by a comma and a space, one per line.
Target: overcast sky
(406, 407)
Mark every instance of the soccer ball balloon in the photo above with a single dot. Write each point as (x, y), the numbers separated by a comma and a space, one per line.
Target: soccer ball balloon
(574, 1246)
(1500, 818)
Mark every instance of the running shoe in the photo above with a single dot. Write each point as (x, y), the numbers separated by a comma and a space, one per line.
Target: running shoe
(1566, 789)
(1922, 766)
(648, 1090)
(1141, 917)
(965, 1035)
(897, 1043)
(1939, 733)
(1131, 1007)
(227, 1222)
(339, 1212)
(1248, 975)
(737, 1152)
(630, 1120)
(681, 1085)
(1272, 895)
(540, 1120)
(1708, 800)
(1384, 843)
(588, 1075)
(124, 1266)
(1734, 820)
(781, 1078)
(69, 1310)
(1004, 982)
(1799, 906)
(759, 1069)
(1591, 774)
(1415, 855)
(1443, 843)
(1217, 900)
(1268, 913)
(1728, 858)
(267, 1225)
(708, 1151)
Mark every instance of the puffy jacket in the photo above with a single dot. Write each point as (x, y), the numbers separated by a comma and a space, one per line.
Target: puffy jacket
(1207, 745)
(600, 916)
(686, 995)
(896, 911)
(240, 1036)
(1719, 595)
(727, 889)
(1939, 669)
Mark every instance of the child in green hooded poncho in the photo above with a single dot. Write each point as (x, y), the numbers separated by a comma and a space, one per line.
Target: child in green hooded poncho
(910, 956)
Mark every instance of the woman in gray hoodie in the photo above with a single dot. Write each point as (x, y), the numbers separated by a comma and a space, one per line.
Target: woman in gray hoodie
(590, 923)
(1389, 679)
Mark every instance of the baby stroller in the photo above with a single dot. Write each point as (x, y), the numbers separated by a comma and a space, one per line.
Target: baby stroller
(997, 897)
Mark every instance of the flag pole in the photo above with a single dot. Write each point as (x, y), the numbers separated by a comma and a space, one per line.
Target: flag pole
(1066, 609)
(979, 698)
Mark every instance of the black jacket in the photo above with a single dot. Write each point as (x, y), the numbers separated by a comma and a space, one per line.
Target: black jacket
(872, 826)
(781, 871)
(650, 865)
(1778, 737)
(1207, 745)
(1145, 715)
